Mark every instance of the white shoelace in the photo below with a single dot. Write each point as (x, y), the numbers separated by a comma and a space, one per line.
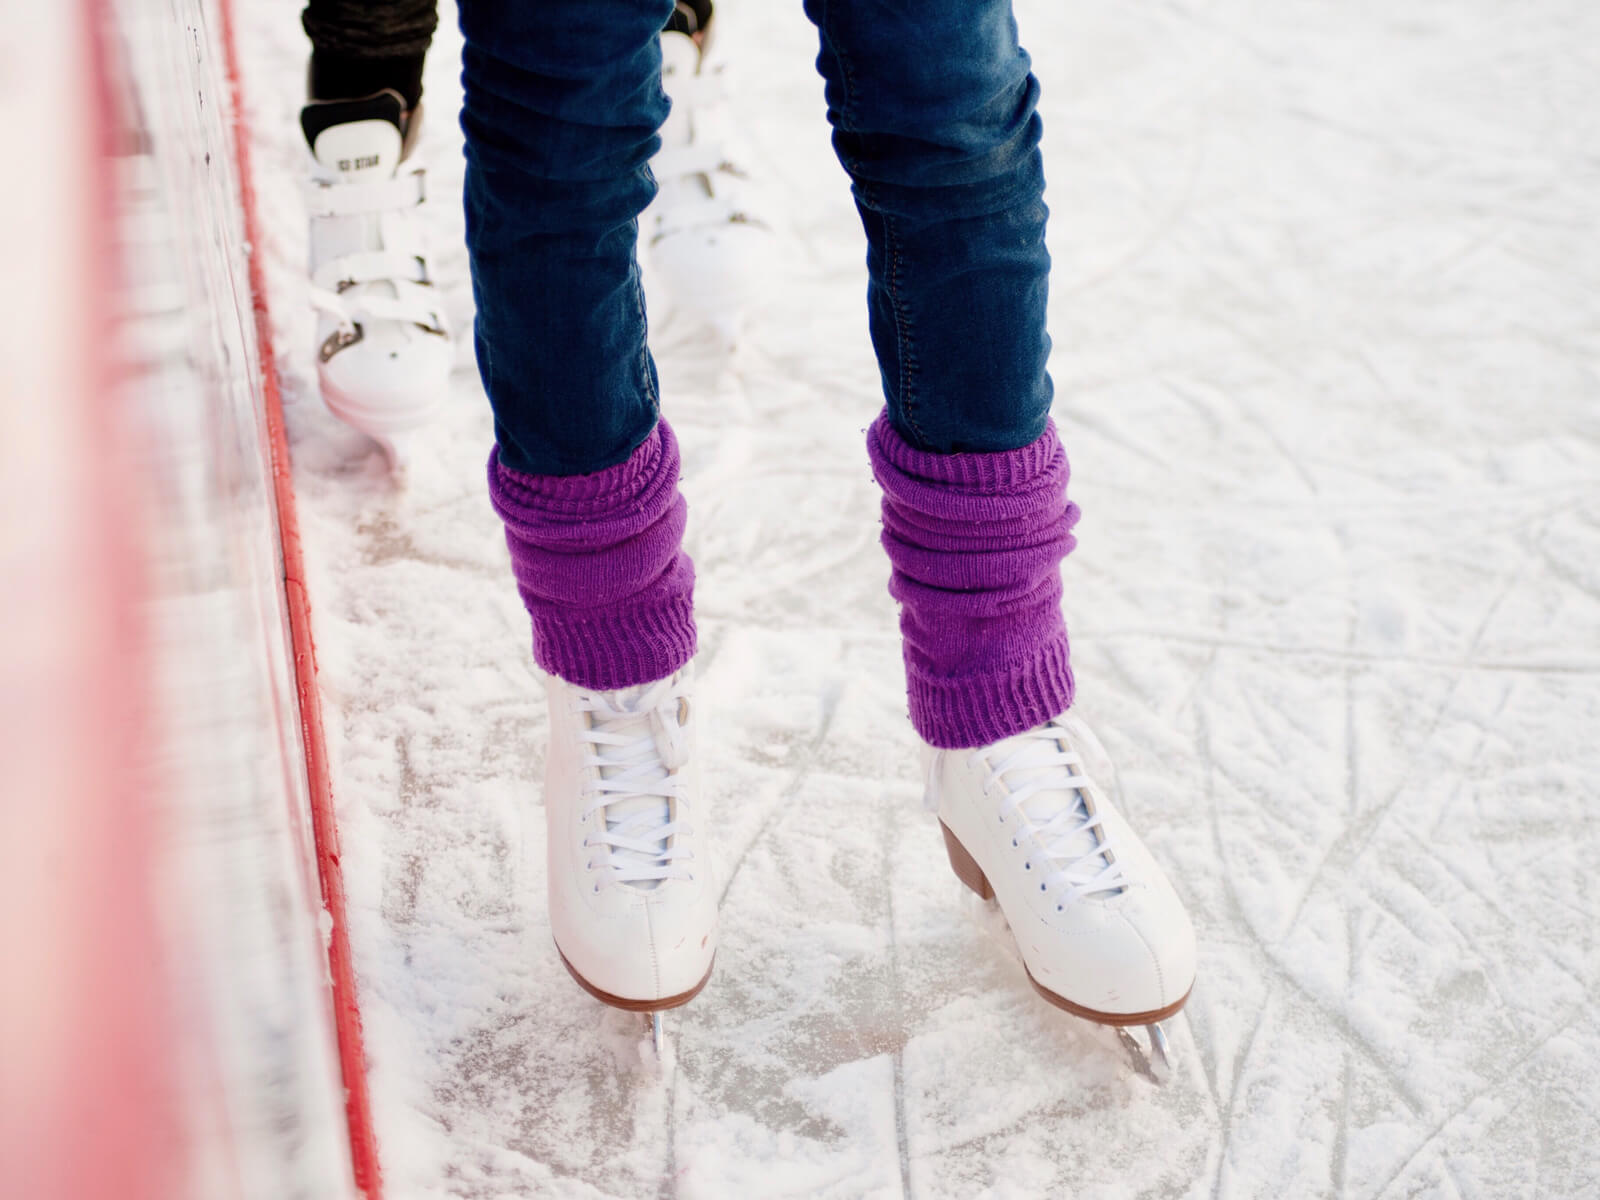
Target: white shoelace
(1045, 793)
(636, 740)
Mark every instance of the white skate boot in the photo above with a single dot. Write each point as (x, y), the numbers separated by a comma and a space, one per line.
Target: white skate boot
(633, 904)
(702, 232)
(383, 344)
(1100, 929)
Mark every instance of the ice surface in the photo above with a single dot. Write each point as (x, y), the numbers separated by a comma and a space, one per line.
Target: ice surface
(1327, 322)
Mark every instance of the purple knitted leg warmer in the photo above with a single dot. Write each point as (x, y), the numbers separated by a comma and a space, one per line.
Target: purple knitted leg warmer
(600, 565)
(975, 544)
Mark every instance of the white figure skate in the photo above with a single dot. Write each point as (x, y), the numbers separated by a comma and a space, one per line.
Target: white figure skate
(633, 905)
(384, 351)
(1101, 932)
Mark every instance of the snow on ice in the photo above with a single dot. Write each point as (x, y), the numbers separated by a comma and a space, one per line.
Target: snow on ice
(1327, 318)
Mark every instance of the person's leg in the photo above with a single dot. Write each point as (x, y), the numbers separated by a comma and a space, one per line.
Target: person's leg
(561, 108)
(933, 107)
(933, 114)
(383, 346)
(560, 114)
(359, 47)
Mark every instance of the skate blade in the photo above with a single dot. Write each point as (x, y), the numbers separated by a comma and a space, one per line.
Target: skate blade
(656, 1052)
(1153, 1062)
(399, 451)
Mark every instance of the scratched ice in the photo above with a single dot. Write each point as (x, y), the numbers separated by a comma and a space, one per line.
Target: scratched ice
(1327, 322)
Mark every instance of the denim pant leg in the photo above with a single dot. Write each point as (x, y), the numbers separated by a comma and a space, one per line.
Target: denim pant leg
(932, 106)
(561, 106)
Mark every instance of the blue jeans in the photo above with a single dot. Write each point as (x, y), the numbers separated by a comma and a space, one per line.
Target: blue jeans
(934, 119)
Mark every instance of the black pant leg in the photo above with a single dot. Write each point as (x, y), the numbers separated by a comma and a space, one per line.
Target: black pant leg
(363, 46)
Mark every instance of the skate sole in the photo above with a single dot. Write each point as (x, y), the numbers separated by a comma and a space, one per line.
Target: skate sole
(970, 873)
(639, 1006)
(384, 421)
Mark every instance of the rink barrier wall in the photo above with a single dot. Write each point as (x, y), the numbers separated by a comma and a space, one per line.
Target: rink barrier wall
(341, 968)
(254, 1056)
(82, 1019)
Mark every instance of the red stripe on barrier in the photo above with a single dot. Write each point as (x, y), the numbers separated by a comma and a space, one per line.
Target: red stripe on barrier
(346, 1010)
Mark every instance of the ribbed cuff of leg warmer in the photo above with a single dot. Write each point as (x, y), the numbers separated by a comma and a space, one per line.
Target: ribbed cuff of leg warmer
(600, 566)
(978, 709)
(616, 646)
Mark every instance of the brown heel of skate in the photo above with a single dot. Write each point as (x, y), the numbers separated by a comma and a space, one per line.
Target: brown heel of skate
(1154, 1062)
(966, 868)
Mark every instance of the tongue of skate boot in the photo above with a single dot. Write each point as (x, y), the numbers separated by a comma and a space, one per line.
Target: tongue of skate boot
(1081, 848)
(356, 141)
(636, 815)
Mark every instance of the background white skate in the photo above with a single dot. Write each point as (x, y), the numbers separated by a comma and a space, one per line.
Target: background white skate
(1326, 321)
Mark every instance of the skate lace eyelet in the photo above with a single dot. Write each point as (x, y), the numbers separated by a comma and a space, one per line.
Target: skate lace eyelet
(1027, 866)
(1013, 841)
(1041, 887)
